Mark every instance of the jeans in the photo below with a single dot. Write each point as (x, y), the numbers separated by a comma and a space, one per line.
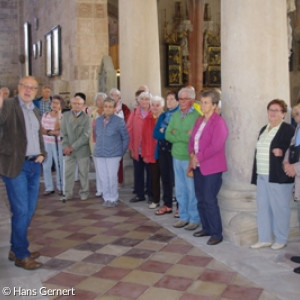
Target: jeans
(273, 210)
(22, 192)
(54, 152)
(207, 188)
(185, 192)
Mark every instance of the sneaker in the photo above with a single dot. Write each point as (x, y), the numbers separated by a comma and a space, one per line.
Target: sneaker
(191, 226)
(277, 246)
(180, 224)
(153, 205)
(259, 245)
(110, 204)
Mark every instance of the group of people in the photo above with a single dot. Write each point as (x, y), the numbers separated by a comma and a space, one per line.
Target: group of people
(182, 146)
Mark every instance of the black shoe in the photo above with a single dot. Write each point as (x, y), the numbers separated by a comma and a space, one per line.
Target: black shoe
(296, 259)
(200, 233)
(137, 199)
(297, 270)
(214, 241)
(47, 193)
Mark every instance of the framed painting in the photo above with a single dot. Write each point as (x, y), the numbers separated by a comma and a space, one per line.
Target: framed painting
(213, 76)
(174, 65)
(214, 56)
(27, 48)
(56, 50)
(48, 51)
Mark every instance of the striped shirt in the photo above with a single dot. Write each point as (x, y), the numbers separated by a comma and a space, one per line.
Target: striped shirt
(49, 123)
(263, 149)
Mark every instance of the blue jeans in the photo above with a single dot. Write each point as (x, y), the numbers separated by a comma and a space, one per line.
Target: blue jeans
(57, 156)
(185, 192)
(207, 188)
(22, 192)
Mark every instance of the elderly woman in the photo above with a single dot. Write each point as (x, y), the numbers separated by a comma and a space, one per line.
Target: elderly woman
(51, 135)
(123, 112)
(291, 165)
(164, 153)
(149, 147)
(97, 112)
(274, 187)
(111, 144)
(208, 162)
(135, 126)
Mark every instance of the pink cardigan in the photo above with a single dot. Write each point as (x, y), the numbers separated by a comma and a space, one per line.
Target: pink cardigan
(211, 155)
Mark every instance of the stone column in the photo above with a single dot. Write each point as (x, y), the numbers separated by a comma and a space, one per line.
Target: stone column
(139, 47)
(254, 71)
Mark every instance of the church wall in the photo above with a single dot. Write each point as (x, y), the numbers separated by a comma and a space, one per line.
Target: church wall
(84, 40)
(9, 44)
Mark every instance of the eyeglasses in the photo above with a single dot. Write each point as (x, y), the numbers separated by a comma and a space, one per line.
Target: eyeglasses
(185, 99)
(28, 87)
(77, 103)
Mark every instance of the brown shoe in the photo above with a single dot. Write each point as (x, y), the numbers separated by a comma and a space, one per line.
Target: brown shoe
(27, 263)
(200, 233)
(214, 241)
(33, 255)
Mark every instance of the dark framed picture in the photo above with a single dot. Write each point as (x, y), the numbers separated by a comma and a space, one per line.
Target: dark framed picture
(56, 50)
(214, 56)
(27, 48)
(48, 51)
(213, 76)
(174, 65)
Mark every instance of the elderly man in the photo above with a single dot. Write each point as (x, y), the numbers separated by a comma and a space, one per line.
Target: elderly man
(178, 133)
(44, 103)
(5, 92)
(75, 132)
(21, 154)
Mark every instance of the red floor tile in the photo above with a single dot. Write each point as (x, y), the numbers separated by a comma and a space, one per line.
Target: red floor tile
(174, 283)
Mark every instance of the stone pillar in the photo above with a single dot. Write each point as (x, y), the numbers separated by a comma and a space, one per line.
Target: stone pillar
(139, 47)
(254, 71)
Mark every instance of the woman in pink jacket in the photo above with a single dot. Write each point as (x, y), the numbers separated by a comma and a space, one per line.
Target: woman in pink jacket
(208, 161)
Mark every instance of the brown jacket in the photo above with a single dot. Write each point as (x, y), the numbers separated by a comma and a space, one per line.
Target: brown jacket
(13, 139)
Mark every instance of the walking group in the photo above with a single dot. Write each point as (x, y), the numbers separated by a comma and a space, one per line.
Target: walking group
(177, 152)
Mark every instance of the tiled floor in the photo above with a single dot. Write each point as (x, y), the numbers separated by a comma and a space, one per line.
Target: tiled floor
(120, 253)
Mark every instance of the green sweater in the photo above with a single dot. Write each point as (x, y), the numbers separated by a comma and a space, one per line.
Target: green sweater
(178, 133)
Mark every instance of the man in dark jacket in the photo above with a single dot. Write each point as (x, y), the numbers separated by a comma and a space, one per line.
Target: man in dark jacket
(21, 154)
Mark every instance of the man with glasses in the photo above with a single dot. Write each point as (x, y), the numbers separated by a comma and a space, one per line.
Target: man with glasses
(75, 133)
(21, 154)
(178, 133)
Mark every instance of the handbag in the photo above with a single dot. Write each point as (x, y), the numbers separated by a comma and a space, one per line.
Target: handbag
(294, 154)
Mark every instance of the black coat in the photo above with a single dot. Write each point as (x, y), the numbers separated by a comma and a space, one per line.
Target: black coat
(281, 140)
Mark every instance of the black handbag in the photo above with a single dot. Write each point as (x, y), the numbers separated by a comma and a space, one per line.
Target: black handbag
(294, 154)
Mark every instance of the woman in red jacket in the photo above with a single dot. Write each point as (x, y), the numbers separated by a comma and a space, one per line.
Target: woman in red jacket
(149, 147)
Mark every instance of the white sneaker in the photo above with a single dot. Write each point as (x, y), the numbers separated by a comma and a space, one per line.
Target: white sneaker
(277, 246)
(259, 245)
(153, 205)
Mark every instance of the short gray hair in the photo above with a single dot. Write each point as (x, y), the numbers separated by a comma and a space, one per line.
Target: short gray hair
(114, 90)
(144, 95)
(110, 100)
(158, 98)
(213, 94)
(189, 90)
(99, 95)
